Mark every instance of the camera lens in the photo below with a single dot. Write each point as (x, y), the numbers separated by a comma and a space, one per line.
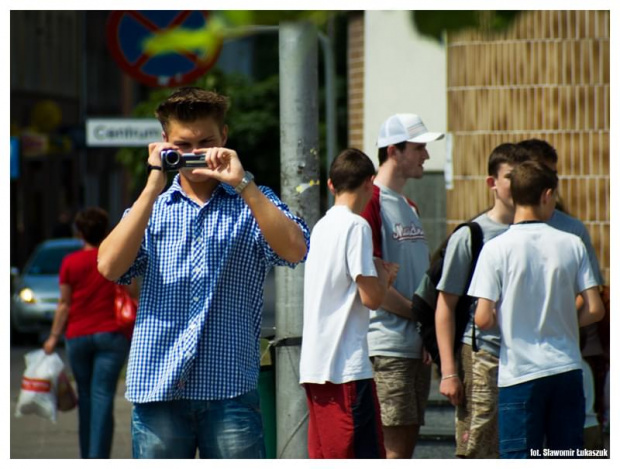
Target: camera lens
(171, 158)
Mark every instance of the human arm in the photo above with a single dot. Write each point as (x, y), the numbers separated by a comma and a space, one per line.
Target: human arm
(592, 309)
(372, 290)
(119, 249)
(60, 319)
(395, 303)
(133, 289)
(485, 317)
(282, 234)
(450, 385)
(451, 286)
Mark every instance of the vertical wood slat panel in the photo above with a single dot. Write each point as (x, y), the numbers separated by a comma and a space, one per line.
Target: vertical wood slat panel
(550, 79)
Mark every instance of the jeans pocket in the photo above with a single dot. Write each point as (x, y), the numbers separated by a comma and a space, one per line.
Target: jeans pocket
(250, 399)
(513, 430)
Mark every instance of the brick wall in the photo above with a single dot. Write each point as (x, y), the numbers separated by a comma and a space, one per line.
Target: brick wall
(356, 80)
(546, 77)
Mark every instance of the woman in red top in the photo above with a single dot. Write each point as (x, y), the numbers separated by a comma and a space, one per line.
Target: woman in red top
(96, 345)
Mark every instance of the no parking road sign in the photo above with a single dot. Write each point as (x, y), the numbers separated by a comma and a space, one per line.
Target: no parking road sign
(127, 31)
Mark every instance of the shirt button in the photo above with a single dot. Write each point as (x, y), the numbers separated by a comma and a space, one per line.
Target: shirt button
(192, 326)
(197, 270)
(196, 298)
(198, 239)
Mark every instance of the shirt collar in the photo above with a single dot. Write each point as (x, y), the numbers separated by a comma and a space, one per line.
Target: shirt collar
(175, 192)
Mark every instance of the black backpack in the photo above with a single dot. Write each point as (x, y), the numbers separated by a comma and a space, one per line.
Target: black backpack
(424, 299)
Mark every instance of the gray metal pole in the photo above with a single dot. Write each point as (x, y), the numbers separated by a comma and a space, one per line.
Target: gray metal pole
(330, 107)
(299, 164)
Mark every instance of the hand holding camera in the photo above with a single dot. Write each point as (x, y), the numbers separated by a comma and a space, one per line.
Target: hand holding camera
(218, 163)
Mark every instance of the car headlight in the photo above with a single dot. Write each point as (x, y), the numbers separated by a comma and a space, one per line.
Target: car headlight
(27, 296)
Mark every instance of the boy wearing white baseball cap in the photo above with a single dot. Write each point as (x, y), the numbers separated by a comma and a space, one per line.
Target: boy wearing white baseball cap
(402, 371)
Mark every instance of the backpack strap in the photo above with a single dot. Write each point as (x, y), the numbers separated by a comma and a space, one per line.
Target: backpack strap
(476, 246)
(477, 240)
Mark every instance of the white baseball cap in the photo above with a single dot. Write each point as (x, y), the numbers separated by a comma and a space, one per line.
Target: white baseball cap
(405, 128)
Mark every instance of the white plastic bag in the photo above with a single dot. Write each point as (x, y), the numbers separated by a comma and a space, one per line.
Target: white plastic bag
(38, 392)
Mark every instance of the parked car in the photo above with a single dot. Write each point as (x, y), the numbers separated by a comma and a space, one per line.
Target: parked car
(35, 290)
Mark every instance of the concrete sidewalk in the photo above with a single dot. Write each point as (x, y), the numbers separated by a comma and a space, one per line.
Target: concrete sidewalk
(33, 437)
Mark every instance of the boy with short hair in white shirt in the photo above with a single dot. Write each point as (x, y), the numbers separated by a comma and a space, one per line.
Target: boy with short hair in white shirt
(341, 282)
(526, 280)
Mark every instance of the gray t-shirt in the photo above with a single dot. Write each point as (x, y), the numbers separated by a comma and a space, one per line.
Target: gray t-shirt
(565, 222)
(397, 237)
(457, 263)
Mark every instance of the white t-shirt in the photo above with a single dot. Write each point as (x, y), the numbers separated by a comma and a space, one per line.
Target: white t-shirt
(334, 344)
(534, 272)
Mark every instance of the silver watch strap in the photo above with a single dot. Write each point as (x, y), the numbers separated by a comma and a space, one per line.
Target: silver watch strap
(248, 177)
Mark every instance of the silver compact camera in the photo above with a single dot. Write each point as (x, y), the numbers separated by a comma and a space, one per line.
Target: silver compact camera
(173, 160)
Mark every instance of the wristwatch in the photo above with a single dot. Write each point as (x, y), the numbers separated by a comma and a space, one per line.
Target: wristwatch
(248, 177)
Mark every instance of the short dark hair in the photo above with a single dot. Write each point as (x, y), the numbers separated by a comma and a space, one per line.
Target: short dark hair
(529, 180)
(382, 153)
(350, 169)
(540, 150)
(191, 103)
(92, 224)
(506, 153)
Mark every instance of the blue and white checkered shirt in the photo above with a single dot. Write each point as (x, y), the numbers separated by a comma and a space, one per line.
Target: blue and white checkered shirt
(198, 324)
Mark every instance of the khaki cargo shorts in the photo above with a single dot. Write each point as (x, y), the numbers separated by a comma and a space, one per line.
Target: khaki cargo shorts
(477, 431)
(403, 385)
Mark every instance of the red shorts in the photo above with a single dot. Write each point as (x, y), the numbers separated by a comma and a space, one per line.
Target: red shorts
(345, 421)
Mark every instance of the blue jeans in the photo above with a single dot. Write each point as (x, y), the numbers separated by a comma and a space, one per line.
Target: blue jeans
(96, 361)
(227, 428)
(547, 411)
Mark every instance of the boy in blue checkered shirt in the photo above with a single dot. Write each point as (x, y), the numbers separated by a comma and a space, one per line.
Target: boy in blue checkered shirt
(204, 247)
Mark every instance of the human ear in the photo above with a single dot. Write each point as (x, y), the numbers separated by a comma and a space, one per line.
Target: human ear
(392, 151)
(331, 187)
(490, 180)
(164, 137)
(224, 134)
(548, 196)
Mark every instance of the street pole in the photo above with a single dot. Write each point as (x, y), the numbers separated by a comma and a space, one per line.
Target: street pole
(299, 173)
(330, 107)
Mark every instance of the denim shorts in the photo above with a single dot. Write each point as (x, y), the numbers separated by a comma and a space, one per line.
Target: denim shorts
(218, 429)
(542, 417)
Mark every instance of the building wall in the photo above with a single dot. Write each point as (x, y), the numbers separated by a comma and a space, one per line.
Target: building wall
(547, 77)
(60, 69)
(355, 80)
(392, 70)
(403, 73)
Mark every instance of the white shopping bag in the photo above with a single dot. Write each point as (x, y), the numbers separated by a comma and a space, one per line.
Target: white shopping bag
(39, 382)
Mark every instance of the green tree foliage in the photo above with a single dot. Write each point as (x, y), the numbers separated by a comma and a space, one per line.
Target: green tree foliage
(254, 114)
(434, 23)
(227, 24)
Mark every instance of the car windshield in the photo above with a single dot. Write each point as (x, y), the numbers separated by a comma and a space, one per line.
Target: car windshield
(47, 260)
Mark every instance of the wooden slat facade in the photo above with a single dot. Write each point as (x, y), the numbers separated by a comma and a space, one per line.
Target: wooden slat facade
(547, 77)
(355, 79)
